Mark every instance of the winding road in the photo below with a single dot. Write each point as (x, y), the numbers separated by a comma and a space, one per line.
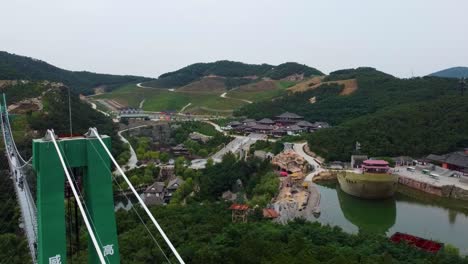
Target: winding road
(223, 95)
(147, 87)
(299, 149)
(132, 162)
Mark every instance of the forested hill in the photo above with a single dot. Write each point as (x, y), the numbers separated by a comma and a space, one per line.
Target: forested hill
(435, 126)
(375, 90)
(15, 67)
(238, 72)
(455, 72)
(32, 121)
(387, 115)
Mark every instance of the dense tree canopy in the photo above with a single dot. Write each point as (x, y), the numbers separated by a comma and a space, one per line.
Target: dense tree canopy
(232, 71)
(15, 67)
(437, 126)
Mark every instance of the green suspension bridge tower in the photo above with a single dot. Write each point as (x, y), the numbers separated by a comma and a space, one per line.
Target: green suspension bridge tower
(88, 154)
(84, 162)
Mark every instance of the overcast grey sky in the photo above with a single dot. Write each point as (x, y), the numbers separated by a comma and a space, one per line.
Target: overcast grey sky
(150, 37)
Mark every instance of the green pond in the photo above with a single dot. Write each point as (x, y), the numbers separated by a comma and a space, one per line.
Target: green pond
(409, 211)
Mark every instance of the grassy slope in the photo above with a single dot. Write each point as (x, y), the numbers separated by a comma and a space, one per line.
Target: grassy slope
(263, 90)
(162, 99)
(204, 96)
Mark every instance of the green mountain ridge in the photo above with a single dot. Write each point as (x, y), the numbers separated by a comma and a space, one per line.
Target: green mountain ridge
(415, 129)
(16, 67)
(454, 72)
(388, 115)
(234, 72)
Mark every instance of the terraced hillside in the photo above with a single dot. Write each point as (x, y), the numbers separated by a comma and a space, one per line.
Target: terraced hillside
(166, 100)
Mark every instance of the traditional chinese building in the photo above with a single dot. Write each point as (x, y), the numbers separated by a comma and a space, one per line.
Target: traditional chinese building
(288, 118)
(453, 161)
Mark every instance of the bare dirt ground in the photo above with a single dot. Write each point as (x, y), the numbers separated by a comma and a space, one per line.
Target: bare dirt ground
(205, 85)
(350, 85)
(264, 85)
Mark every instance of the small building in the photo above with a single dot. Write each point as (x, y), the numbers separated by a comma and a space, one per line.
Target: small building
(403, 161)
(375, 166)
(155, 194)
(357, 160)
(288, 118)
(453, 161)
(172, 186)
(320, 125)
(234, 124)
(306, 126)
(180, 150)
(293, 130)
(239, 212)
(199, 137)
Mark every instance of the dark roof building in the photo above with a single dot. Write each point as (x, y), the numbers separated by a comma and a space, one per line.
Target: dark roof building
(261, 127)
(288, 115)
(155, 193)
(266, 121)
(294, 128)
(248, 120)
(319, 125)
(454, 161)
(305, 124)
(234, 124)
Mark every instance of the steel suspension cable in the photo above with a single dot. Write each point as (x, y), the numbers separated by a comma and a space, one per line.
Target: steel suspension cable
(148, 212)
(81, 196)
(131, 204)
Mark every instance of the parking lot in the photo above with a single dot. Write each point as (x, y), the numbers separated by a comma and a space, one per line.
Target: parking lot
(440, 179)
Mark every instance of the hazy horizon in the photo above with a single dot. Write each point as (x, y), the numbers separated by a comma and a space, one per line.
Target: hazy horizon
(149, 38)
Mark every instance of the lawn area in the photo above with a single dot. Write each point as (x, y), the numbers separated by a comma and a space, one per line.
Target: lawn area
(164, 100)
(277, 89)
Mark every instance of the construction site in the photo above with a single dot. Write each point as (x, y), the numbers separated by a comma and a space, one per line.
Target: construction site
(298, 197)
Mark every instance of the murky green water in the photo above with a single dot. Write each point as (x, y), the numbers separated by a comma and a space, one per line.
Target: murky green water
(414, 213)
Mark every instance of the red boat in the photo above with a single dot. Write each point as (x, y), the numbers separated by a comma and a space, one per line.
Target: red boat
(421, 243)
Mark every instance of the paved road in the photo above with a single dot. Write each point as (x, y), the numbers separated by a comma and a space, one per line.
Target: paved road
(147, 87)
(141, 104)
(235, 146)
(299, 148)
(223, 95)
(185, 107)
(132, 162)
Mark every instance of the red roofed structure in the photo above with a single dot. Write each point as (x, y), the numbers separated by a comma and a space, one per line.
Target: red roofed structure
(270, 213)
(375, 166)
(239, 207)
(239, 212)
